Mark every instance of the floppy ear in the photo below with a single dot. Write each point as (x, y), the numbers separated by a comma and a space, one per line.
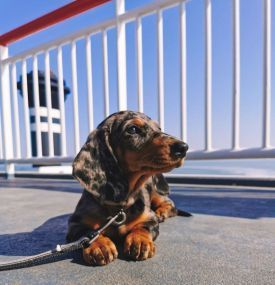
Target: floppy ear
(97, 170)
(161, 184)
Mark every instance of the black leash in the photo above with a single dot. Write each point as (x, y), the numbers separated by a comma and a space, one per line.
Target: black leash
(63, 249)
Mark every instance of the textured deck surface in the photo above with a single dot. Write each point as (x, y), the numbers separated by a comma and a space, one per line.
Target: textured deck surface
(229, 240)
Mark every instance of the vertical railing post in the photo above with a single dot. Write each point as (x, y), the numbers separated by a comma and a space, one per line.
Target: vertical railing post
(121, 57)
(183, 64)
(266, 73)
(160, 68)
(139, 56)
(105, 73)
(236, 75)
(208, 75)
(6, 112)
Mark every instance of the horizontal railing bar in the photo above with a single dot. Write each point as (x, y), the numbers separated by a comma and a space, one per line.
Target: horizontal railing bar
(149, 9)
(247, 153)
(39, 160)
(49, 19)
(109, 24)
(94, 29)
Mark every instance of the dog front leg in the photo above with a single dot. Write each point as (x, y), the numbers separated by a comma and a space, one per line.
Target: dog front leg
(139, 241)
(101, 252)
(163, 206)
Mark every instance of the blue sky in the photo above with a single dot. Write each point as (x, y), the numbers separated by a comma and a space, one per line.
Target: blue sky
(14, 13)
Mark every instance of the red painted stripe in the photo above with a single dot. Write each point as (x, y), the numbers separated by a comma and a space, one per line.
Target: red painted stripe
(47, 20)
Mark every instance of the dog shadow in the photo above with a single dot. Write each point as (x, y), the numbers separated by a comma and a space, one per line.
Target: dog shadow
(41, 239)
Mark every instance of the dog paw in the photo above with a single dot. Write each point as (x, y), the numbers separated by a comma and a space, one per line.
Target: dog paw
(100, 252)
(165, 211)
(139, 245)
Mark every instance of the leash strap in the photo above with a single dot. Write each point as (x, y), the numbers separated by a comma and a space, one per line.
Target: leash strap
(63, 249)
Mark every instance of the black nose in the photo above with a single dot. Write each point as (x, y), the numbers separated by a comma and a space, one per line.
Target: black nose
(179, 149)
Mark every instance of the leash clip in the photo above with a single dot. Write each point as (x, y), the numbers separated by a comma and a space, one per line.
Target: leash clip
(120, 219)
(117, 220)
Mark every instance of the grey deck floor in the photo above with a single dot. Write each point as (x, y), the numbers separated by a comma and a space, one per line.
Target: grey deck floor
(229, 240)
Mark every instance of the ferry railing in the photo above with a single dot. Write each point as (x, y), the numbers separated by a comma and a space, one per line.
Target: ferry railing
(11, 146)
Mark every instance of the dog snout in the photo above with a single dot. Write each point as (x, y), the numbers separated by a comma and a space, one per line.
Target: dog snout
(179, 149)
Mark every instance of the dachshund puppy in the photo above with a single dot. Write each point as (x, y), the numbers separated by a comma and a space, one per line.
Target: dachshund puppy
(120, 166)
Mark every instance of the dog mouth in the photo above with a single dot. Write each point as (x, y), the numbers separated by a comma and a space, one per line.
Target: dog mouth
(160, 165)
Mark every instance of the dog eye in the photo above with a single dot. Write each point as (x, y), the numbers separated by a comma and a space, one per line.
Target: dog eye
(133, 130)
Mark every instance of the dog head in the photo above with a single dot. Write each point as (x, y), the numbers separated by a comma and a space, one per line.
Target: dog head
(122, 153)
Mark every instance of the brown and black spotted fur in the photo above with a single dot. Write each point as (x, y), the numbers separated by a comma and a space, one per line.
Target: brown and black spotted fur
(120, 166)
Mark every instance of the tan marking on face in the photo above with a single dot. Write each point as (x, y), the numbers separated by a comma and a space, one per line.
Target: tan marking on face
(133, 161)
(138, 122)
(154, 156)
(152, 159)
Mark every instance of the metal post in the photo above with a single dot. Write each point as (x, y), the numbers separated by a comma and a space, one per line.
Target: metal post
(75, 97)
(139, 63)
(49, 102)
(105, 73)
(15, 111)
(208, 76)
(236, 76)
(266, 73)
(160, 65)
(61, 101)
(121, 57)
(6, 112)
(89, 82)
(37, 106)
(183, 64)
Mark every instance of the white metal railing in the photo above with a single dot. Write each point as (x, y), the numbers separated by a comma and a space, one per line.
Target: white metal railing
(11, 144)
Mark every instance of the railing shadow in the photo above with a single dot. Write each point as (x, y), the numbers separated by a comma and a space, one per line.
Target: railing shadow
(253, 204)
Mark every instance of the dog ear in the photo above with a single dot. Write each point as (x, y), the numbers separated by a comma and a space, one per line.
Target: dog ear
(97, 170)
(161, 184)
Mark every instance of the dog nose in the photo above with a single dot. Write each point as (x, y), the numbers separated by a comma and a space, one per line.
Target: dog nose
(179, 149)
